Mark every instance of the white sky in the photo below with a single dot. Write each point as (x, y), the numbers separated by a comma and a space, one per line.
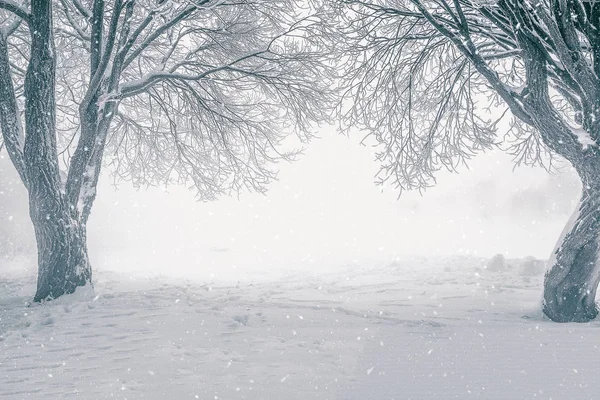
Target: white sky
(326, 210)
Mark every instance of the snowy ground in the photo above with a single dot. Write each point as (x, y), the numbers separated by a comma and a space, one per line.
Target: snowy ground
(412, 329)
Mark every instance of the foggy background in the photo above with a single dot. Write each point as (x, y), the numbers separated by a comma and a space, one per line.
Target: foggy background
(325, 210)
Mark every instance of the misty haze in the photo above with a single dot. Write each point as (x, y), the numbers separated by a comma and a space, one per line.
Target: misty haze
(299, 199)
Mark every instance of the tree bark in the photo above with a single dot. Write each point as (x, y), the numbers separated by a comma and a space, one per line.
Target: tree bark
(63, 263)
(571, 282)
(10, 122)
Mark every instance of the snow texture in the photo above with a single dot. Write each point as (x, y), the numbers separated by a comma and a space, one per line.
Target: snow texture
(411, 329)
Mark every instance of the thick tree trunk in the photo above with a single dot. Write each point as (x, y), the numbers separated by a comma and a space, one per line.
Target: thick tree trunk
(62, 255)
(571, 282)
(63, 262)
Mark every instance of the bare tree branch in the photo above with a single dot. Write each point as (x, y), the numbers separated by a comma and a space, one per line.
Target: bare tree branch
(16, 9)
(395, 51)
(10, 119)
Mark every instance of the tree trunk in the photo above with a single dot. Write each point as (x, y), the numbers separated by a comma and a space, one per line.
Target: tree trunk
(62, 255)
(571, 282)
(63, 262)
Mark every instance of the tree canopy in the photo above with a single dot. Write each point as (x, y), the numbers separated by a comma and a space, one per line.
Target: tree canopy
(201, 92)
(421, 74)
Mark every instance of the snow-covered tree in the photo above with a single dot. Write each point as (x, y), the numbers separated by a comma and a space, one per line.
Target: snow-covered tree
(194, 91)
(419, 74)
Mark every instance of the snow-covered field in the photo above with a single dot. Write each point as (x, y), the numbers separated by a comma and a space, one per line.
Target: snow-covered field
(409, 329)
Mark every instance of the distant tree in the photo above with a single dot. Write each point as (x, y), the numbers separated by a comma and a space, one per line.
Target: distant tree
(194, 91)
(419, 73)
